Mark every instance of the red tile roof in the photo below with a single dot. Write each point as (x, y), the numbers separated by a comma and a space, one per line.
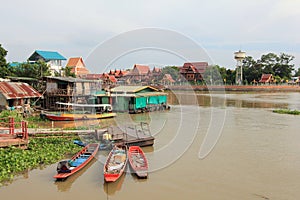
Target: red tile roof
(196, 67)
(18, 90)
(75, 62)
(141, 69)
(77, 66)
(265, 78)
(169, 78)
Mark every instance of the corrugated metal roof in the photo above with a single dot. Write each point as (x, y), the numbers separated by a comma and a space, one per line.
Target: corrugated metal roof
(17, 90)
(130, 88)
(70, 79)
(50, 55)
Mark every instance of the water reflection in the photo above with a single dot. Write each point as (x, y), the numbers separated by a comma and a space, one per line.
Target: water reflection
(111, 188)
(206, 99)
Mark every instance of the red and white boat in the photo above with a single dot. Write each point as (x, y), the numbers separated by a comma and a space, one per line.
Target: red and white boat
(115, 163)
(138, 161)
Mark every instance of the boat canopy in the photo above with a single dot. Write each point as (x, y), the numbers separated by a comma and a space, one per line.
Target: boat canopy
(84, 105)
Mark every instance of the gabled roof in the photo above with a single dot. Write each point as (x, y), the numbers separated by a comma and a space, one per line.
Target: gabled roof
(75, 62)
(141, 69)
(196, 67)
(156, 70)
(265, 78)
(46, 55)
(169, 78)
(18, 90)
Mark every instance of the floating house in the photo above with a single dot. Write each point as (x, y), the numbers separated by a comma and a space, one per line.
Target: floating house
(17, 95)
(69, 90)
(135, 99)
(52, 58)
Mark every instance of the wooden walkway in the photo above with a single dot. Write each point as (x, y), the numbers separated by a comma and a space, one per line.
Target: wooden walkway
(10, 136)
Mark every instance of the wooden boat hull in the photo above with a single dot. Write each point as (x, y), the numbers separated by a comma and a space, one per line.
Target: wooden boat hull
(80, 160)
(115, 163)
(72, 117)
(138, 161)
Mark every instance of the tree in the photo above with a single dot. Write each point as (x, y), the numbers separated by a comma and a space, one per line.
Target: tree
(4, 70)
(172, 70)
(252, 70)
(297, 72)
(283, 67)
(67, 72)
(32, 70)
(212, 75)
(277, 65)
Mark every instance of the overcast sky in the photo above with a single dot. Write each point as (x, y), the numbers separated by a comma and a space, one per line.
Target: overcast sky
(77, 28)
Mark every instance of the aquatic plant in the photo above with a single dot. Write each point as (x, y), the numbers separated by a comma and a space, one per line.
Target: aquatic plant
(287, 111)
(41, 151)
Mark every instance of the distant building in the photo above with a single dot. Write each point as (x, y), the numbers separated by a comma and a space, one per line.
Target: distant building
(16, 95)
(77, 66)
(139, 73)
(52, 58)
(167, 79)
(193, 71)
(266, 78)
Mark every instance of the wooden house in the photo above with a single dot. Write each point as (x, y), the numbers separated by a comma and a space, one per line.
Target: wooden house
(17, 95)
(69, 90)
(139, 73)
(193, 71)
(52, 58)
(136, 99)
(77, 66)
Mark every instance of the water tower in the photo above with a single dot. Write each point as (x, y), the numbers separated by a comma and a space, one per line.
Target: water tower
(239, 56)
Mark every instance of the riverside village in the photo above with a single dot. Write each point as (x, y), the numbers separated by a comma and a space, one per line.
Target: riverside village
(48, 89)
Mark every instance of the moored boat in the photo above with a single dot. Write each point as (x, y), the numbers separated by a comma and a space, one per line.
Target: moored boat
(138, 161)
(66, 168)
(115, 163)
(80, 112)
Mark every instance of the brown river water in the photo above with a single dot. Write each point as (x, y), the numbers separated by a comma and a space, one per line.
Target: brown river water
(207, 146)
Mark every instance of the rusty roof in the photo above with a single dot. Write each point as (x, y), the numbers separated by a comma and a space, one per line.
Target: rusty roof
(18, 90)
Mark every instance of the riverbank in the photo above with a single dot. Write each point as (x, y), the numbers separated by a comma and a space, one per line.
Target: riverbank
(237, 88)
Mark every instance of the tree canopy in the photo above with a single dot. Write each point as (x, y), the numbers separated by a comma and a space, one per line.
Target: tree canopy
(271, 63)
(4, 71)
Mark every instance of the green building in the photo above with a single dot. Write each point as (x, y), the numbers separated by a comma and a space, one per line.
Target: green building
(135, 99)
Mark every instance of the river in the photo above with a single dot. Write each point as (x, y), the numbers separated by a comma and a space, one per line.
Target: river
(208, 146)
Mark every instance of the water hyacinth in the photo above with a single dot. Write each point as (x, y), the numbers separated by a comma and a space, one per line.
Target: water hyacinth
(41, 151)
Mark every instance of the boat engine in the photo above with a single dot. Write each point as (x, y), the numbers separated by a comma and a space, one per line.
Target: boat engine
(63, 167)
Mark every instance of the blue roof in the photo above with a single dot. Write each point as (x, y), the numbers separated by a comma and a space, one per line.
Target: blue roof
(14, 64)
(50, 55)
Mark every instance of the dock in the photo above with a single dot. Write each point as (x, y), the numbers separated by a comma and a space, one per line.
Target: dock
(12, 136)
(131, 135)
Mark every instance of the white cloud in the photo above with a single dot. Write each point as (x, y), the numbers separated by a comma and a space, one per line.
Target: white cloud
(76, 27)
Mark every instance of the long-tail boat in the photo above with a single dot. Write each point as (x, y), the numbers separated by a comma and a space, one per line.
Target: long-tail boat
(66, 168)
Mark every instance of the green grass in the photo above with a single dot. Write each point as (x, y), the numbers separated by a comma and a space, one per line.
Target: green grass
(287, 111)
(41, 151)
